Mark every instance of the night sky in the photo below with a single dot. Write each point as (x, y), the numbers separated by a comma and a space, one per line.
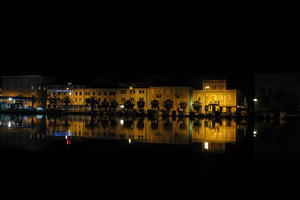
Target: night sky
(119, 40)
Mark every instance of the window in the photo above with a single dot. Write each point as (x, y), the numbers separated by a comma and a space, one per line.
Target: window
(94, 93)
(76, 93)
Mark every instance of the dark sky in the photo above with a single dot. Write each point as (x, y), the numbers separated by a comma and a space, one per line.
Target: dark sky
(121, 39)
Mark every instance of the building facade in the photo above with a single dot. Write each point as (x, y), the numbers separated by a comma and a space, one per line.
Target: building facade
(213, 97)
(24, 91)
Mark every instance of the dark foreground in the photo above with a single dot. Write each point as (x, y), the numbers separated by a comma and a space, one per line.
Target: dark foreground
(266, 153)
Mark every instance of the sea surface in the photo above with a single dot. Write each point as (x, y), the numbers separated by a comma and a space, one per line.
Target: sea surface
(205, 150)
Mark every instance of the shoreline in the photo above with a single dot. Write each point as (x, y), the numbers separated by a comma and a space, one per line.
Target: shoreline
(135, 114)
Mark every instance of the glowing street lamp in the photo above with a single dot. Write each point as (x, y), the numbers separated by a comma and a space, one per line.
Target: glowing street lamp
(255, 100)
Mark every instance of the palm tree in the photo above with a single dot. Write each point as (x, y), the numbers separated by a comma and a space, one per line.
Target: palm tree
(113, 105)
(128, 105)
(168, 104)
(104, 104)
(93, 102)
(141, 105)
(53, 101)
(197, 106)
(183, 106)
(67, 101)
(155, 104)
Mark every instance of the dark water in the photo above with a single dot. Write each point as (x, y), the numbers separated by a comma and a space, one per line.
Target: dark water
(209, 151)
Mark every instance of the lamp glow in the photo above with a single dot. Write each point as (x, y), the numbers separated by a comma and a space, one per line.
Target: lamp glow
(206, 145)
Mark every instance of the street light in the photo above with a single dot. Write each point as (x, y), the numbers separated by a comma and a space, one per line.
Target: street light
(255, 100)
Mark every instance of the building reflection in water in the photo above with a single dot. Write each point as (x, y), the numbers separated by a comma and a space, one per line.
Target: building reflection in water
(211, 136)
(208, 135)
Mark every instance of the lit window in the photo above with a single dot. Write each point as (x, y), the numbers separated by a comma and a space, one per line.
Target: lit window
(206, 146)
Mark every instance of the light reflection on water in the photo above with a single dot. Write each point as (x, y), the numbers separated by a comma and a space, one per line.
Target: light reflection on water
(199, 147)
(209, 135)
(264, 139)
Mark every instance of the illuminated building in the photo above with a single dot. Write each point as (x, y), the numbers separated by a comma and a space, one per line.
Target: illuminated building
(176, 94)
(24, 91)
(216, 97)
(213, 97)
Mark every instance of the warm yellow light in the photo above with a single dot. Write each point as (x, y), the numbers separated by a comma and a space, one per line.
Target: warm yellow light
(207, 87)
(206, 145)
(130, 87)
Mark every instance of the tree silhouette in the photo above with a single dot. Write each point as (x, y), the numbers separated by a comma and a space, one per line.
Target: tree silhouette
(92, 102)
(67, 102)
(141, 104)
(128, 105)
(197, 106)
(155, 104)
(168, 104)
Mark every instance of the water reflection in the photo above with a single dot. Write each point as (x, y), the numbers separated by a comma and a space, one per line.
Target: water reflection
(207, 135)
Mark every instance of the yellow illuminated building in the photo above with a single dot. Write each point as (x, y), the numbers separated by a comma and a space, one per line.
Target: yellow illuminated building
(176, 94)
(216, 97)
(213, 97)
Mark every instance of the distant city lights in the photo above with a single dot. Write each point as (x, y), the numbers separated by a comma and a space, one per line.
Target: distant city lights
(254, 133)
